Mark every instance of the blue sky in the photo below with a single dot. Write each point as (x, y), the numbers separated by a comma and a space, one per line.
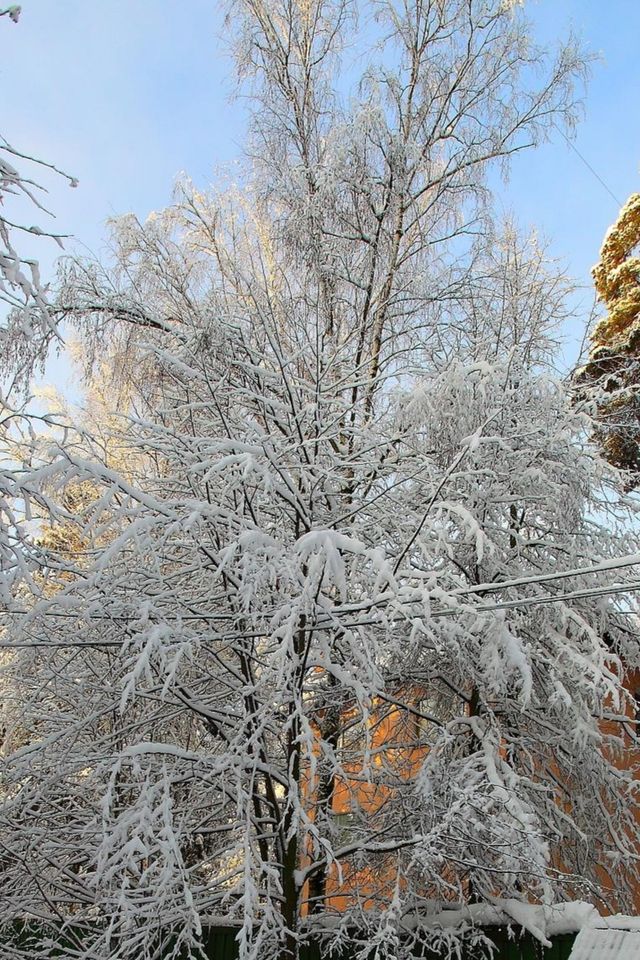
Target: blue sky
(126, 94)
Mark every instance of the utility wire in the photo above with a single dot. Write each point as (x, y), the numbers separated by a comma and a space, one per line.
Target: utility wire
(594, 592)
(620, 563)
(604, 566)
(554, 598)
(587, 164)
(630, 560)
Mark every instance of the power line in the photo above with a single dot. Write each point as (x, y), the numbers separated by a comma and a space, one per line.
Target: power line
(555, 598)
(619, 563)
(587, 164)
(630, 560)
(604, 566)
(592, 593)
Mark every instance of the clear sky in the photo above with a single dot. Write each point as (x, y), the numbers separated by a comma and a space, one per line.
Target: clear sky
(126, 94)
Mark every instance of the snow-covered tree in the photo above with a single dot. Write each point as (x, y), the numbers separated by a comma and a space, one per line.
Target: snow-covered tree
(357, 501)
(27, 329)
(610, 376)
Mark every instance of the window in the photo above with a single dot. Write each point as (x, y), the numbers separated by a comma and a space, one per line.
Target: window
(351, 739)
(425, 707)
(431, 710)
(343, 824)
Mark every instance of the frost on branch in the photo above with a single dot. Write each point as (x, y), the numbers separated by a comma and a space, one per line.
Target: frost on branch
(13, 12)
(27, 328)
(30, 326)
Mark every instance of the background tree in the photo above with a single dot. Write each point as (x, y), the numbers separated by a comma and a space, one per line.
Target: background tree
(611, 373)
(27, 329)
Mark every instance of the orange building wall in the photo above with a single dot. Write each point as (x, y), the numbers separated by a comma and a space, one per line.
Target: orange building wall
(392, 744)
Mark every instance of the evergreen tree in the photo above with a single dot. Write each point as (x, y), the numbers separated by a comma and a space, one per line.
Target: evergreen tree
(612, 371)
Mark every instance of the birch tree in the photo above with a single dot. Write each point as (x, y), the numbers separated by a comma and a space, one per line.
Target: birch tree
(27, 330)
(29, 327)
(356, 556)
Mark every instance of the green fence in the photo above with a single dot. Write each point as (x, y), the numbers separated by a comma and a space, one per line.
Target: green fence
(219, 943)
